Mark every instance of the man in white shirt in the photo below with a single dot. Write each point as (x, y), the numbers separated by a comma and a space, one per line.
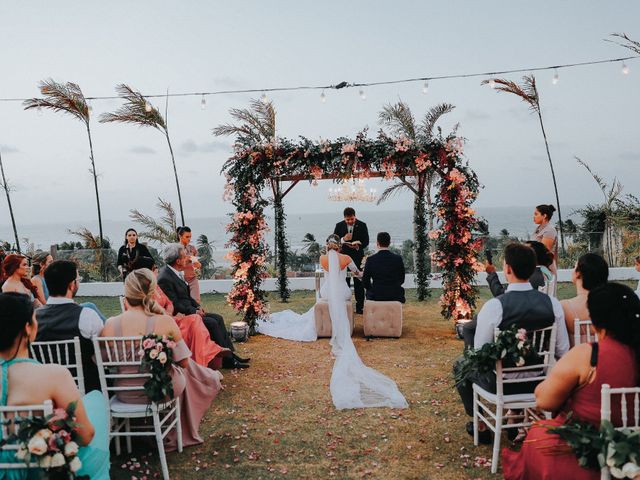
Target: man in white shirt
(63, 319)
(521, 306)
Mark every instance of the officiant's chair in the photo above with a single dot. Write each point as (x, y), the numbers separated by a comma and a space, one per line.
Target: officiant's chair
(323, 319)
(382, 319)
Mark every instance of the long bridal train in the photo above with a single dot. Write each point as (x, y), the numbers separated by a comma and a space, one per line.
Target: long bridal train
(353, 384)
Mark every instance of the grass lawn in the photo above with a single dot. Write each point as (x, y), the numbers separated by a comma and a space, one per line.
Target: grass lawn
(276, 419)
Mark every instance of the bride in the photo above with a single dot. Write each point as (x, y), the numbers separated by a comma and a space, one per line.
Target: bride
(353, 384)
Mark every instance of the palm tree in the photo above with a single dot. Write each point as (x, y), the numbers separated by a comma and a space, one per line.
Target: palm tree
(205, 255)
(138, 111)
(255, 125)
(162, 230)
(68, 98)
(627, 43)
(528, 93)
(7, 188)
(311, 246)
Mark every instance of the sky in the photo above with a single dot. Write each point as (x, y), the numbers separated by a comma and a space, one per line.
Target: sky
(202, 46)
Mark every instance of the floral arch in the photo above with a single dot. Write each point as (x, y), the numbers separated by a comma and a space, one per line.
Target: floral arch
(254, 167)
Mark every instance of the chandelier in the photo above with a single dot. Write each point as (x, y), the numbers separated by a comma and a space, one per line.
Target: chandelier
(352, 191)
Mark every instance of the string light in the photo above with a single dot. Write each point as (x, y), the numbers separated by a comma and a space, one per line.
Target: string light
(625, 69)
(556, 78)
(148, 107)
(492, 83)
(425, 88)
(323, 97)
(363, 95)
(203, 102)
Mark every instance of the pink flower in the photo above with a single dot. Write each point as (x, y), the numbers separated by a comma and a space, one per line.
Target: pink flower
(348, 148)
(171, 344)
(148, 343)
(434, 234)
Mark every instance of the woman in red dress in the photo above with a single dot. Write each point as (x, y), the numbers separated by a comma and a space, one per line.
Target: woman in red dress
(574, 385)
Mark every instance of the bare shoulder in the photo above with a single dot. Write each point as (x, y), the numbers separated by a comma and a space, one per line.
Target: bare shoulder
(108, 329)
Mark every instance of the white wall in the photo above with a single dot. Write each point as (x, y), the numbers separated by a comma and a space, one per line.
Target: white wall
(113, 289)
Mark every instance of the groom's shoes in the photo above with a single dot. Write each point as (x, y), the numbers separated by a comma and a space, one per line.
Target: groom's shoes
(230, 362)
(359, 311)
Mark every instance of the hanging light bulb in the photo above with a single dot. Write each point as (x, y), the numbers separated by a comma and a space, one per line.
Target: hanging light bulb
(203, 102)
(492, 83)
(39, 110)
(89, 106)
(323, 97)
(263, 98)
(425, 87)
(363, 95)
(147, 107)
(625, 69)
(556, 78)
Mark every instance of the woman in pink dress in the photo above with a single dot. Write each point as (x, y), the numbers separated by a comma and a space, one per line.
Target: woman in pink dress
(574, 385)
(192, 263)
(197, 386)
(204, 351)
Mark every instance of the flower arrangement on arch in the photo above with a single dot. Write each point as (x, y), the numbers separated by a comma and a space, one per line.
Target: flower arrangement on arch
(512, 346)
(156, 353)
(51, 442)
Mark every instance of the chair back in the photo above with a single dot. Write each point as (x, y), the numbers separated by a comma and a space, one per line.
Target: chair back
(63, 352)
(582, 332)
(118, 362)
(122, 305)
(543, 342)
(9, 427)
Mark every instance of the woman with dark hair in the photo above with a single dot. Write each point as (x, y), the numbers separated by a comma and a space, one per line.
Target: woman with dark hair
(591, 271)
(542, 279)
(546, 234)
(574, 384)
(41, 261)
(15, 275)
(129, 251)
(27, 382)
(191, 263)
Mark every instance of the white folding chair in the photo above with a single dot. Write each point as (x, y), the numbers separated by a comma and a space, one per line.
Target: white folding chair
(582, 332)
(63, 352)
(605, 411)
(122, 305)
(492, 408)
(113, 354)
(9, 427)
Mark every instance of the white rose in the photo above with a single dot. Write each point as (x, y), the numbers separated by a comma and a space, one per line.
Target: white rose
(520, 362)
(37, 446)
(630, 469)
(21, 453)
(520, 345)
(45, 462)
(616, 472)
(75, 464)
(162, 357)
(503, 353)
(44, 433)
(58, 460)
(71, 449)
(153, 354)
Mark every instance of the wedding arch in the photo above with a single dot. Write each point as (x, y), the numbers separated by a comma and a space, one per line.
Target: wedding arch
(260, 161)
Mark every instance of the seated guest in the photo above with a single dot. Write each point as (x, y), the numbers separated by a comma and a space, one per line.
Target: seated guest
(539, 280)
(27, 382)
(384, 273)
(574, 385)
(15, 277)
(638, 270)
(591, 271)
(204, 351)
(174, 286)
(521, 306)
(62, 318)
(195, 385)
(41, 261)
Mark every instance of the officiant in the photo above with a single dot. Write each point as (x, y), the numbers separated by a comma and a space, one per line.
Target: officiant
(354, 238)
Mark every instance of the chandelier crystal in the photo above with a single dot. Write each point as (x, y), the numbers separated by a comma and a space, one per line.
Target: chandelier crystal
(352, 191)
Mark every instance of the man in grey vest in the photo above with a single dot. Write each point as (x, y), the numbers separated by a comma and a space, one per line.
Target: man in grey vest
(522, 306)
(62, 318)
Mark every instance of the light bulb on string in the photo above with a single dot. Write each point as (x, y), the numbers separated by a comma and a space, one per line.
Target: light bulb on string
(625, 69)
(147, 107)
(89, 106)
(203, 102)
(492, 83)
(39, 110)
(425, 88)
(363, 95)
(264, 99)
(556, 78)
(323, 97)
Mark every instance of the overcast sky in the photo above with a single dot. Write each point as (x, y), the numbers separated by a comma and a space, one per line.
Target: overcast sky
(194, 46)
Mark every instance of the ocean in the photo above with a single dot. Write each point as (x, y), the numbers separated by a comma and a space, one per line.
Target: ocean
(517, 220)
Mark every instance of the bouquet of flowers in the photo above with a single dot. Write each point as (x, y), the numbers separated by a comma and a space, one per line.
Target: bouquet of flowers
(156, 352)
(512, 347)
(618, 449)
(50, 442)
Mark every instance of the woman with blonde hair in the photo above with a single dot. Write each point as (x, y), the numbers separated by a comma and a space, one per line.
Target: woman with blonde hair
(197, 386)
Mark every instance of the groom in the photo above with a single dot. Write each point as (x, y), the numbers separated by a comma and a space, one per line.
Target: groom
(354, 238)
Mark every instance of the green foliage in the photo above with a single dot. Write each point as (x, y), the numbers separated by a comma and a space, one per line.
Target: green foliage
(205, 255)
(282, 247)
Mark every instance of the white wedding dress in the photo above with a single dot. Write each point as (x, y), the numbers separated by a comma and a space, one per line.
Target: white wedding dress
(353, 384)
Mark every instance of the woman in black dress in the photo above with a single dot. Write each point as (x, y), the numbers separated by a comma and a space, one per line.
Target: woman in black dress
(130, 251)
